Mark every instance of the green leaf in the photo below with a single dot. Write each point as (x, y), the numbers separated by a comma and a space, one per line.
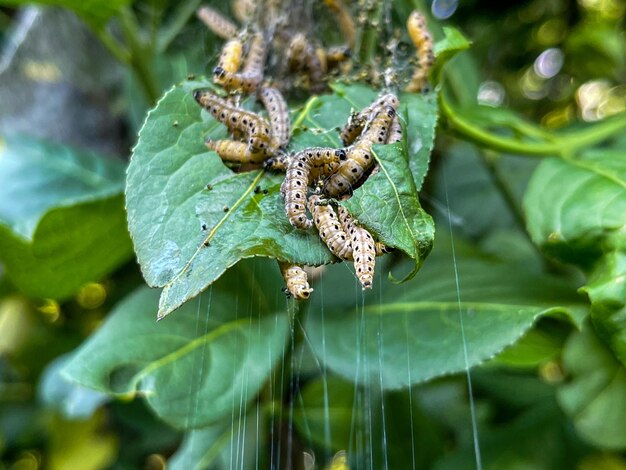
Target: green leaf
(576, 211)
(595, 399)
(412, 333)
(168, 203)
(194, 369)
(61, 216)
(94, 12)
(387, 204)
(445, 49)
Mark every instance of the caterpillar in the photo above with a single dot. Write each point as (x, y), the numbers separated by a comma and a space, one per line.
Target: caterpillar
(296, 279)
(243, 9)
(255, 127)
(252, 73)
(302, 55)
(277, 110)
(363, 248)
(347, 220)
(336, 55)
(233, 151)
(357, 121)
(217, 23)
(344, 18)
(359, 156)
(277, 162)
(302, 168)
(230, 58)
(330, 229)
(423, 41)
(395, 131)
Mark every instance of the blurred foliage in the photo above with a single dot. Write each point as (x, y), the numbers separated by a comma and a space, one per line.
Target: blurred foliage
(240, 378)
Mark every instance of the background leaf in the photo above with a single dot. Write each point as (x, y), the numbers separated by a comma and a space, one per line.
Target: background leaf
(411, 333)
(222, 353)
(61, 216)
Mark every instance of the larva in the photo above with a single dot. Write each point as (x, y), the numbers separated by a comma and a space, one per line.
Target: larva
(347, 220)
(277, 162)
(363, 249)
(243, 9)
(395, 131)
(296, 280)
(302, 56)
(359, 156)
(230, 58)
(255, 60)
(344, 18)
(330, 229)
(423, 41)
(233, 151)
(254, 126)
(302, 168)
(277, 110)
(336, 55)
(252, 73)
(217, 23)
(357, 121)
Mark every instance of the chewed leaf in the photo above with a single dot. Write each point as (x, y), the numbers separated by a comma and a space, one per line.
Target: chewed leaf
(191, 217)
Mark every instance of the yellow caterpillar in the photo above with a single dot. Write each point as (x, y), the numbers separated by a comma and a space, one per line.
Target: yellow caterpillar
(277, 110)
(302, 169)
(423, 41)
(230, 58)
(330, 229)
(363, 248)
(296, 280)
(357, 121)
(233, 151)
(359, 156)
(253, 126)
(302, 55)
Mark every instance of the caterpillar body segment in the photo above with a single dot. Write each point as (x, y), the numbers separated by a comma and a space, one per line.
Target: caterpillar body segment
(352, 129)
(277, 110)
(395, 131)
(423, 41)
(302, 168)
(244, 9)
(253, 126)
(217, 23)
(233, 151)
(296, 279)
(245, 83)
(336, 55)
(363, 248)
(347, 221)
(302, 55)
(230, 58)
(330, 228)
(277, 162)
(359, 156)
(357, 121)
(255, 60)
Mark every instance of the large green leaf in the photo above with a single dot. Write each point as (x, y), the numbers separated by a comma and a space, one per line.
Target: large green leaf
(61, 216)
(168, 203)
(595, 399)
(194, 369)
(576, 211)
(412, 332)
(387, 204)
(94, 12)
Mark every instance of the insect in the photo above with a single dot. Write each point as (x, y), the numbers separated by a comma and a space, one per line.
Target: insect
(296, 280)
(395, 131)
(248, 80)
(363, 248)
(330, 228)
(233, 151)
(253, 126)
(277, 110)
(301, 55)
(217, 23)
(230, 58)
(303, 168)
(423, 41)
(359, 156)
(357, 121)
(344, 18)
(244, 9)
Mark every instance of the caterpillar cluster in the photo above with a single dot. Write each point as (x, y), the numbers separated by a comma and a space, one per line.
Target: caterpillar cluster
(315, 178)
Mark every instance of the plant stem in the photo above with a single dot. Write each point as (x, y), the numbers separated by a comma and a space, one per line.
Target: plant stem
(180, 18)
(113, 45)
(560, 144)
(370, 31)
(140, 56)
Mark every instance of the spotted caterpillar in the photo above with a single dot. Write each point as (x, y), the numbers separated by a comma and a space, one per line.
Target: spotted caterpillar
(248, 80)
(423, 41)
(233, 151)
(303, 168)
(357, 121)
(217, 23)
(302, 55)
(296, 280)
(277, 110)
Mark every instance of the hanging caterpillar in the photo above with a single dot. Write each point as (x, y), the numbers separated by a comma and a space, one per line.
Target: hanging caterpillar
(423, 41)
(233, 151)
(302, 169)
(277, 110)
(217, 23)
(363, 248)
(359, 156)
(255, 127)
(296, 280)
